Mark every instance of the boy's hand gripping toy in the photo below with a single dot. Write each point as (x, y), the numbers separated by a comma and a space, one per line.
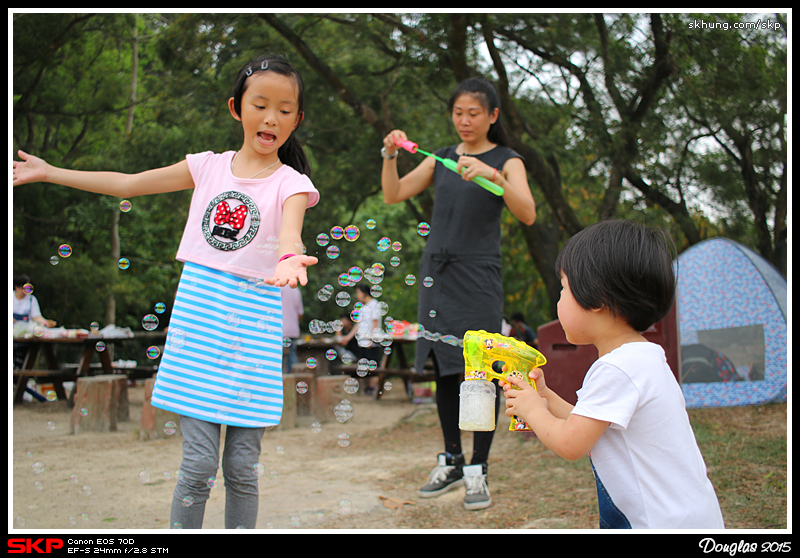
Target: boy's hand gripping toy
(489, 356)
(412, 147)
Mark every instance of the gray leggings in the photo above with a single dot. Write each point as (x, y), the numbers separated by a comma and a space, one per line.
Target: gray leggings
(201, 442)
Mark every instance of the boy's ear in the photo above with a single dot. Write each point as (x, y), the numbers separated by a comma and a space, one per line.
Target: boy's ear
(233, 110)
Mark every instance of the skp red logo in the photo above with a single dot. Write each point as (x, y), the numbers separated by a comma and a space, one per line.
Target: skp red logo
(31, 546)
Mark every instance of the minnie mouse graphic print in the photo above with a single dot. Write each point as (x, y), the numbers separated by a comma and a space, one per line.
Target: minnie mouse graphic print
(223, 358)
(227, 216)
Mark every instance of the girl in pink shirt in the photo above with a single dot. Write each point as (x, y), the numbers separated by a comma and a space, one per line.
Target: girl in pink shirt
(242, 242)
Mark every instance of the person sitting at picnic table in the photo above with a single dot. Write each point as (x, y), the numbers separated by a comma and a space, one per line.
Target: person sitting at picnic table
(25, 305)
(25, 311)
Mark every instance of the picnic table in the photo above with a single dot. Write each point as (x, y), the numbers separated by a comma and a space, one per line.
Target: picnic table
(393, 365)
(57, 373)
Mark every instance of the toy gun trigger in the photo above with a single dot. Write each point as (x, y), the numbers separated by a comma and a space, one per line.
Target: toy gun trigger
(499, 367)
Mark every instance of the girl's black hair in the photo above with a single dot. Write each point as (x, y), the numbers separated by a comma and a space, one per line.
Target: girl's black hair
(485, 91)
(623, 266)
(290, 153)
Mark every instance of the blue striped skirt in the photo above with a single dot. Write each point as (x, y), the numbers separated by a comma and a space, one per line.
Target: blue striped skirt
(222, 361)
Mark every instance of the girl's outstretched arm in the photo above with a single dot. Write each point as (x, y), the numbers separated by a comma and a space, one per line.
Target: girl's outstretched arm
(156, 181)
(292, 271)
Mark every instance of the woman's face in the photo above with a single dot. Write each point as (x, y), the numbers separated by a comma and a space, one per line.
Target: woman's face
(472, 119)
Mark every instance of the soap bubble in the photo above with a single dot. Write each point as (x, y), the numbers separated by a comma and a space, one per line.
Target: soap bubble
(351, 385)
(153, 352)
(311, 362)
(428, 281)
(124, 263)
(124, 206)
(330, 354)
(100, 346)
(384, 243)
(301, 387)
(54, 260)
(333, 252)
(27, 288)
(410, 280)
(371, 224)
(395, 261)
(144, 477)
(337, 233)
(65, 251)
(150, 322)
(343, 299)
(170, 428)
(322, 239)
(376, 291)
(160, 307)
(325, 293)
(356, 273)
(343, 440)
(351, 233)
(397, 246)
(424, 229)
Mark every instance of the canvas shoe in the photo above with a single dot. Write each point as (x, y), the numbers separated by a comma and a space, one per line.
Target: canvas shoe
(477, 496)
(445, 476)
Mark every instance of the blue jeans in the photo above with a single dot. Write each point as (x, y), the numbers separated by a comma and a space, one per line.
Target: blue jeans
(610, 515)
(201, 441)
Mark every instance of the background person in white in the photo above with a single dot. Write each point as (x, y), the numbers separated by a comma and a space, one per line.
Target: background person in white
(292, 301)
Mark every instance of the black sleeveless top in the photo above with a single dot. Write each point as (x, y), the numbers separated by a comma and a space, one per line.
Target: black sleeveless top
(462, 259)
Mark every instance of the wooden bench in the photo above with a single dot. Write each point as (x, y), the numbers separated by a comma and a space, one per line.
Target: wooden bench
(55, 377)
(408, 375)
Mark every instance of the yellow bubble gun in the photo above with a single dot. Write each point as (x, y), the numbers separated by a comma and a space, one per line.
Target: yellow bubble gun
(489, 356)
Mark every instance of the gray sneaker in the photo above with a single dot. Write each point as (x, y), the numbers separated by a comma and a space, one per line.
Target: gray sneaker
(477, 496)
(444, 477)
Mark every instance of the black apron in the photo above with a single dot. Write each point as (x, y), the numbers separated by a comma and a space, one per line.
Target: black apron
(462, 258)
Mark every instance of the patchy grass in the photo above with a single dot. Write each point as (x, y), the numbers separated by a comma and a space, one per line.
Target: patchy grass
(744, 448)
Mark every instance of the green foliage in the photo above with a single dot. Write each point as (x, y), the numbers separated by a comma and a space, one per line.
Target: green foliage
(575, 95)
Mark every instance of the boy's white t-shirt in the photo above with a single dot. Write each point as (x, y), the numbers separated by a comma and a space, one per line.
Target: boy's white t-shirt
(234, 223)
(648, 459)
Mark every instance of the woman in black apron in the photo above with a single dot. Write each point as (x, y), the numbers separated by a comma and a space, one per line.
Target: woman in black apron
(461, 263)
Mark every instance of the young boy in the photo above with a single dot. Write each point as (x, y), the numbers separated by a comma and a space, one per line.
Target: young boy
(617, 280)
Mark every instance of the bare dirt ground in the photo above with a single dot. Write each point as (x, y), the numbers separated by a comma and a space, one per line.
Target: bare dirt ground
(99, 481)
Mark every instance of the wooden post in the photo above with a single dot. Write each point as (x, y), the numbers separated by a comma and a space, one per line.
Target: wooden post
(157, 423)
(289, 414)
(101, 402)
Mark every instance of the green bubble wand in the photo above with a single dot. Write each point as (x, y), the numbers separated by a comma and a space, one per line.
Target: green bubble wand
(412, 147)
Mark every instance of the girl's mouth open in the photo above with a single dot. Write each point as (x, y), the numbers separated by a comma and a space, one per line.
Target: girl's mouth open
(267, 137)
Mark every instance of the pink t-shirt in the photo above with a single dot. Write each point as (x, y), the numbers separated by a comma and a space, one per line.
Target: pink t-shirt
(234, 223)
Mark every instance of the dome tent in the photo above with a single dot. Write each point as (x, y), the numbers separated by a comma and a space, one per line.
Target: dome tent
(732, 317)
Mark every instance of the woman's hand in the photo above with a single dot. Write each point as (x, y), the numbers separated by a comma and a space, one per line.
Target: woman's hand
(292, 271)
(392, 140)
(29, 169)
(470, 168)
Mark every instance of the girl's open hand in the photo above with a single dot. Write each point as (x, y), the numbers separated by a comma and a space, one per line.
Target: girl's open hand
(29, 169)
(292, 271)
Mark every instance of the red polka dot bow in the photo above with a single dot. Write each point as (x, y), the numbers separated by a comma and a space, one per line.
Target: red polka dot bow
(234, 218)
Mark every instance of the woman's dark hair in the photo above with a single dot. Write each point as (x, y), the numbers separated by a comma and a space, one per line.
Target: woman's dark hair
(623, 266)
(291, 152)
(485, 91)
